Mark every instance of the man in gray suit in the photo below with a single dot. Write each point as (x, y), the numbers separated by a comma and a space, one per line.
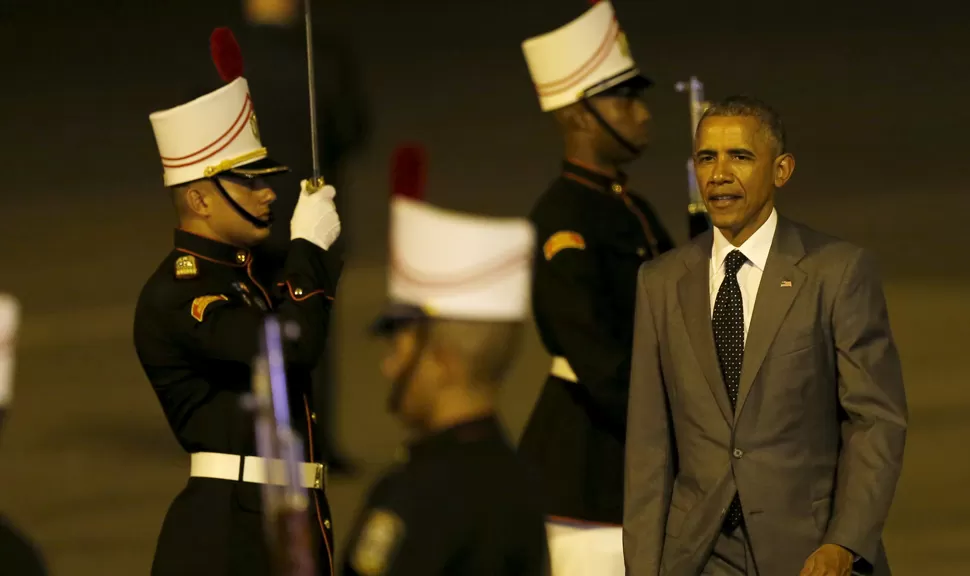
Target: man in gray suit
(767, 415)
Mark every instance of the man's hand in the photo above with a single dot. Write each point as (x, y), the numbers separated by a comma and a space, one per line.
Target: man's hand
(828, 560)
(315, 218)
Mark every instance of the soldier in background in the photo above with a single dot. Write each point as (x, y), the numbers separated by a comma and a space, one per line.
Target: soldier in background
(593, 236)
(463, 503)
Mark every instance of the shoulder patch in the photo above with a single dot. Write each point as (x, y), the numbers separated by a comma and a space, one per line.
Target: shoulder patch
(202, 302)
(186, 267)
(562, 240)
(379, 540)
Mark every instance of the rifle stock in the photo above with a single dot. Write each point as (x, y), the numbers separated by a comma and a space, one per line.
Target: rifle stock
(697, 219)
(285, 501)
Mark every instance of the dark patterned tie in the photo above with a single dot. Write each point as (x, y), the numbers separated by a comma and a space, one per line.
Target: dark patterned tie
(728, 322)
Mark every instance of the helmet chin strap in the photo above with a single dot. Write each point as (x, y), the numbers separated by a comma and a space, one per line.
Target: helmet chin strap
(400, 384)
(606, 126)
(258, 223)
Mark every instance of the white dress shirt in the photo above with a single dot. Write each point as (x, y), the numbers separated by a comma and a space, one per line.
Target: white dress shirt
(755, 249)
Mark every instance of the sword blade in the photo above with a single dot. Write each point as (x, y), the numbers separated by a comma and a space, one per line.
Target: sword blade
(314, 143)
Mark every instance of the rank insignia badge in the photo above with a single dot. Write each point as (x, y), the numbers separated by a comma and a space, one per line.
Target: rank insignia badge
(186, 267)
(378, 542)
(561, 241)
(202, 302)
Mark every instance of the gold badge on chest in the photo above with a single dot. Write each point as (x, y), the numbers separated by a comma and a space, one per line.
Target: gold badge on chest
(186, 267)
(378, 542)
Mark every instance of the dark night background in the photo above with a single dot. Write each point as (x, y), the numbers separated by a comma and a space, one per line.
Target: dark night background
(875, 100)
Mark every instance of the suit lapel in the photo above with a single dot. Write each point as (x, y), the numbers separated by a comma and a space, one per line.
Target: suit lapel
(695, 302)
(780, 284)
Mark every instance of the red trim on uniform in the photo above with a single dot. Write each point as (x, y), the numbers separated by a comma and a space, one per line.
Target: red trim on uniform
(647, 231)
(316, 501)
(197, 255)
(305, 296)
(583, 181)
(247, 106)
(571, 80)
(591, 168)
(249, 272)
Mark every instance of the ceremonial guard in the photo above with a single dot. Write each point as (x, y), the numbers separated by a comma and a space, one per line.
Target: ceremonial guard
(18, 555)
(593, 234)
(462, 503)
(199, 315)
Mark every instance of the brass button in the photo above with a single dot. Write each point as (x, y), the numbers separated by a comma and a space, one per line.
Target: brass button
(298, 291)
(326, 524)
(641, 252)
(241, 256)
(617, 189)
(313, 416)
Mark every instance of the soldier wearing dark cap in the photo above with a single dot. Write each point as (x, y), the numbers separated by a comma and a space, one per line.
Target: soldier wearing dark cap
(593, 234)
(197, 323)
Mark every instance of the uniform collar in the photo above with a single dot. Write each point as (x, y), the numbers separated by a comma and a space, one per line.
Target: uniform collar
(755, 248)
(211, 250)
(592, 178)
(467, 432)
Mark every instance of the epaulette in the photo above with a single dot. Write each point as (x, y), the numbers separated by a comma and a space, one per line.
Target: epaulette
(186, 267)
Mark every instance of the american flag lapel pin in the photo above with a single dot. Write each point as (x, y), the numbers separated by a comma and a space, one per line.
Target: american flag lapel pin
(786, 283)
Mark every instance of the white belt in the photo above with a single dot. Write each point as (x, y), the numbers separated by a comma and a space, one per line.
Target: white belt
(562, 369)
(255, 469)
(582, 549)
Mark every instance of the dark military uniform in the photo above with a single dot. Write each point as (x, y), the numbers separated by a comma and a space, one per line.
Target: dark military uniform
(196, 333)
(462, 504)
(593, 235)
(18, 555)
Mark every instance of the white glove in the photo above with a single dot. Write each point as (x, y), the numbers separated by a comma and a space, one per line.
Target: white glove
(9, 322)
(315, 218)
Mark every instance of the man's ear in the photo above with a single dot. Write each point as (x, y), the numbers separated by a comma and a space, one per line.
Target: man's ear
(574, 118)
(784, 168)
(199, 200)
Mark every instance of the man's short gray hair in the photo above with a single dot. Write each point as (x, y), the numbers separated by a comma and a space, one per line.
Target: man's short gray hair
(743, 105)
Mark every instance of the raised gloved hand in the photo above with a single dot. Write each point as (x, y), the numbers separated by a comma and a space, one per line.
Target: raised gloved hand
(315, 218)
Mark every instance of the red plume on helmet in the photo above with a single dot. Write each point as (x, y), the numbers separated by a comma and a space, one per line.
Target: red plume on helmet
(226, 54)
(408, 171)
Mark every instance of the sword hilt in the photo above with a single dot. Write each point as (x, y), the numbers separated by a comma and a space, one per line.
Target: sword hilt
(314, 184)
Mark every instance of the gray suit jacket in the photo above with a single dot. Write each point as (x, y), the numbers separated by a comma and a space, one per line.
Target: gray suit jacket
(815, 446)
